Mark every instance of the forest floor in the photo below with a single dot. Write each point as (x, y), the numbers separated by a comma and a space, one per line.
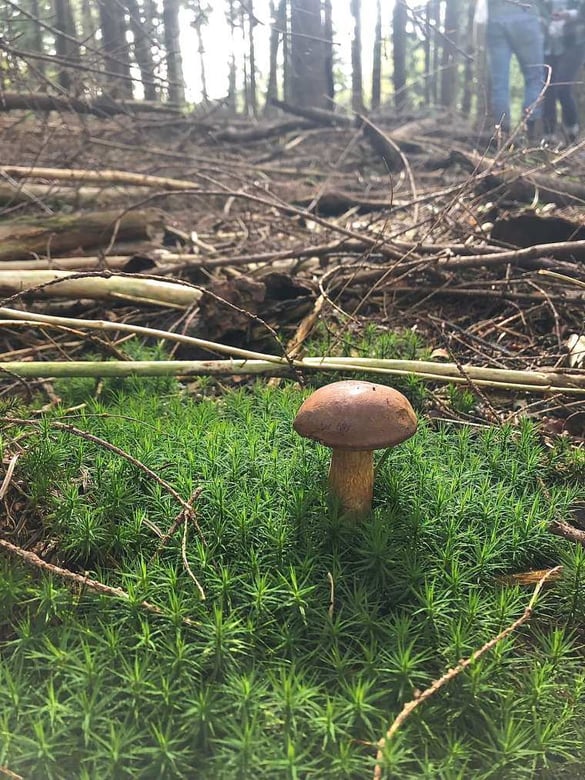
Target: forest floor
(178, 520)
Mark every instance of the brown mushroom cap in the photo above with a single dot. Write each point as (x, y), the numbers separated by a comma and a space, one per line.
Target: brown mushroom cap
(356, 415)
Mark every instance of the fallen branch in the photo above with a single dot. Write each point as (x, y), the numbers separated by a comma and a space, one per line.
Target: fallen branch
(410, 706)
(85, 582)
(272, 365)
(68, 284)
(27, 238)
(110, 177)
(80, 197)
(17, 101)
(567, 531)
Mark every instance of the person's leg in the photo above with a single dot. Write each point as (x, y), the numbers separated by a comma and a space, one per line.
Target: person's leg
(527, 43)
(549, 107)
(499, 56)
(567, 72)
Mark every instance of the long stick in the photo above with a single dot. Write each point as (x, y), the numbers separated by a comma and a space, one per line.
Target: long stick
(501, 379)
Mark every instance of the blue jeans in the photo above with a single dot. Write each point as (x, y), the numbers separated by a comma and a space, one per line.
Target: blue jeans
(513, 29)
(565, 70)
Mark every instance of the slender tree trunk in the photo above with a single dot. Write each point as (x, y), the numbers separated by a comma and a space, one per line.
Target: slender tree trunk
(245, 63)
(286, 54)
(469, 63)
(232, 83)
(201, 53)
(308, 83)
(399, 19)
(176, 87)
(435, 49)
(328, 34)
(37, 40)
(142, 48)
(115, 48)
(88, 22)
(66, 48)
(278, 16)
(357, 89)
(377, 58)
(449, 54)
(428, 65)
(252, 59)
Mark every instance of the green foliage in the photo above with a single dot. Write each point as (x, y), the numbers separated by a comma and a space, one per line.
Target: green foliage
(270, 682)
(371, 341)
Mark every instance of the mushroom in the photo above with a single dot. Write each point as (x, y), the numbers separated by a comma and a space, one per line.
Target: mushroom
(354, 418)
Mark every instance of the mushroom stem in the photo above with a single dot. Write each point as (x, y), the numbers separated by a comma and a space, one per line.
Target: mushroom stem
(351, 480)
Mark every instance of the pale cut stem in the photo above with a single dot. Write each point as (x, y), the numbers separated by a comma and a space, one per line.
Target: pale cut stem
(351, 480)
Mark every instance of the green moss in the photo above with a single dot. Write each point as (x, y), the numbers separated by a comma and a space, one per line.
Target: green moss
(273, 680)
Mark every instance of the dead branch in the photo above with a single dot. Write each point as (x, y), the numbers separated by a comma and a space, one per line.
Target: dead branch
(96, 286)
(32, 559)
(519, 184)
(104, 106)
(63, 233)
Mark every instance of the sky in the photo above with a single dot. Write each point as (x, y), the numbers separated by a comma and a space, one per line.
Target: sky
(216, 42)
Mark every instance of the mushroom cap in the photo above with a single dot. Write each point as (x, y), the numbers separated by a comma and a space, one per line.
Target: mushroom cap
(356, 415)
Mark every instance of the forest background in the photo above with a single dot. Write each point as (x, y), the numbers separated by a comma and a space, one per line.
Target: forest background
(319, 53)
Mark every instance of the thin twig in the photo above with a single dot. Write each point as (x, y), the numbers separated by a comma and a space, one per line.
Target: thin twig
(410, 706)
(331, 594)
(86, 582)
(177, 522)
(8, 476)
(185, 559)
(9, 773)
(68, 428)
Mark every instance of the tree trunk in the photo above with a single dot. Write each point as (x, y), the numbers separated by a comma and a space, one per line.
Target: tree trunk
(449, 54)
(328, 34)
(115, 48)
(377, 58)
(37, 40)
(308, 83)
(286, 54)
(357, 90)
(278, 16)
(88, 22)
(142, 49)
(399, 19)
(469, 63)
(201, 53)
(232, 83)
(245, 63)
(252, 59)
(432, 21)
(65, 42)
(176, 87)
(56, 235)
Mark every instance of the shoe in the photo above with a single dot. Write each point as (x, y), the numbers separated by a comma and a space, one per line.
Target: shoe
(549, 141)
